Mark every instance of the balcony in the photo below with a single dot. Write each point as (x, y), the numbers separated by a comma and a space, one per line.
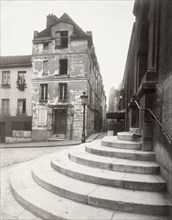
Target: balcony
(5, 111)
(21, 84)
(20, 112)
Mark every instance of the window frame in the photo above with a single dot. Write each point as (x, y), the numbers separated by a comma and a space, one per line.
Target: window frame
(23, 112)
(63, 94)
(61, 39)
(7, 72)
(63, 64)
(6, 110)
(43, 92)
(45, 68)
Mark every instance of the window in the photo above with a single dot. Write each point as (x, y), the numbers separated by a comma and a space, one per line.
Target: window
(63, 91)
(43, 92)
(5, 77)
(61, 39)
(45, 46)
(21, 107)
(45, 67)
(21, 77)
(63, 66)
(5, 106)
(21, 81)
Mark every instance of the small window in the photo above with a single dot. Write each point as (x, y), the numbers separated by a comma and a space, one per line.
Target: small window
(21, 77)
(45, 46)
(45, 67)
(5, 106)
(43, 92)
(63, 66)
(21, 107)
(5, 77)
(61, 39)
(21, 81)
(63, 91)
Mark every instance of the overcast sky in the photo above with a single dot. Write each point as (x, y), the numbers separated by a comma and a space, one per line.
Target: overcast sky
(110, 22)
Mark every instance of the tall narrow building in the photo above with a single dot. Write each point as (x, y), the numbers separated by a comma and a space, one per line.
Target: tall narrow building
(64, 66)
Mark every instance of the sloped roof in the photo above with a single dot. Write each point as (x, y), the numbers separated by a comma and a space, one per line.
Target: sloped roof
(66, 19)
(15, 61)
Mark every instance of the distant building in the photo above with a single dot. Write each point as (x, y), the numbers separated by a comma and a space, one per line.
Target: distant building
(64, 66)
(15, 99)
(148, 80)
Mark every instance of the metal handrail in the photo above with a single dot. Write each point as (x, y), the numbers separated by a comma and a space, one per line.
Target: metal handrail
(157, 120)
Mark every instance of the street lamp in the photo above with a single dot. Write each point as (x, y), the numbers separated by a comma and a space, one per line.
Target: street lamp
(84, 98)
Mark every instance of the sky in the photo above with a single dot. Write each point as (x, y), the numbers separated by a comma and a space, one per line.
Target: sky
(110, 22)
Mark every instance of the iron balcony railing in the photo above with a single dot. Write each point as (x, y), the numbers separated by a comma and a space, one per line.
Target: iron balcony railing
(168, 135)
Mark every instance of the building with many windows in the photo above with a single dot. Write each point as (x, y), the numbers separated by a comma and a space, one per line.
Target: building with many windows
(40, 94)
(15, 98)
(64, 66)
(149, 65)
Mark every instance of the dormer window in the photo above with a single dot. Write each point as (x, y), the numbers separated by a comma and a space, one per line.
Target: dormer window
(45, 46)
(61, 39)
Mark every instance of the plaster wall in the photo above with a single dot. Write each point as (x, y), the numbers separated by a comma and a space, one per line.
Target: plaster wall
(13, 93)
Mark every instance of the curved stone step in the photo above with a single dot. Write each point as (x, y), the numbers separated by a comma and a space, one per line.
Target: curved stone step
(116, 164)
(47, 205)
(109, 178)
(120, 153)
(113, 141)
(102, 196)
(126, 136)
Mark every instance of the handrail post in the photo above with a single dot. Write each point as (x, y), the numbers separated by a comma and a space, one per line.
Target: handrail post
(167, 133)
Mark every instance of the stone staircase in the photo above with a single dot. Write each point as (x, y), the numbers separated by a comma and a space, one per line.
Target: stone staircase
(106, 179)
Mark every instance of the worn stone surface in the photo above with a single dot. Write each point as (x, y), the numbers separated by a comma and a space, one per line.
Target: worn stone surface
(82, 75)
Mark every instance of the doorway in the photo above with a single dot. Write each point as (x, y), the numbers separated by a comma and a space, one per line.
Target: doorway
(60, 122)
(2, 132)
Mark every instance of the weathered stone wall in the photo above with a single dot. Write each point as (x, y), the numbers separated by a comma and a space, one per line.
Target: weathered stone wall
(163, 106)
(82, 76)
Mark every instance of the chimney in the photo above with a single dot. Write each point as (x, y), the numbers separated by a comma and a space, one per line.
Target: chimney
(51, 20)
(35, 35)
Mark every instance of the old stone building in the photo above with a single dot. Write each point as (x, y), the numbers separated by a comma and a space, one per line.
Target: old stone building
(148, 80)
(64, 66)
(15, 99)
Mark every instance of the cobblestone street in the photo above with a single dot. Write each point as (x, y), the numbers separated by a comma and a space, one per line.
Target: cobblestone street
(12, 156)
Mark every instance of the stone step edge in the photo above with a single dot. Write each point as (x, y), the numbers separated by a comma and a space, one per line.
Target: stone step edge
(120, 153)
(115, 143)
(128, 136)
(106, 202)
(78, 158)
(47, 213)
(35, 208)
(99, 179)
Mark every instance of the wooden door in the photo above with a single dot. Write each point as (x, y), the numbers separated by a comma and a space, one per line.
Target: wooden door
(2, 132)
(60, 123)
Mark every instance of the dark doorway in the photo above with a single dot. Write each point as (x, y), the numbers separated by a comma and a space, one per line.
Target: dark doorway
(60, 123)
(2, 132)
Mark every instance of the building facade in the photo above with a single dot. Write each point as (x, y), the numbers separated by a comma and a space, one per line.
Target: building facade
(15, 99)
(64, 66)
(148, 80)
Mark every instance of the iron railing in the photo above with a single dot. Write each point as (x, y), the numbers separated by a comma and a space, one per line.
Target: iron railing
(157, 120)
